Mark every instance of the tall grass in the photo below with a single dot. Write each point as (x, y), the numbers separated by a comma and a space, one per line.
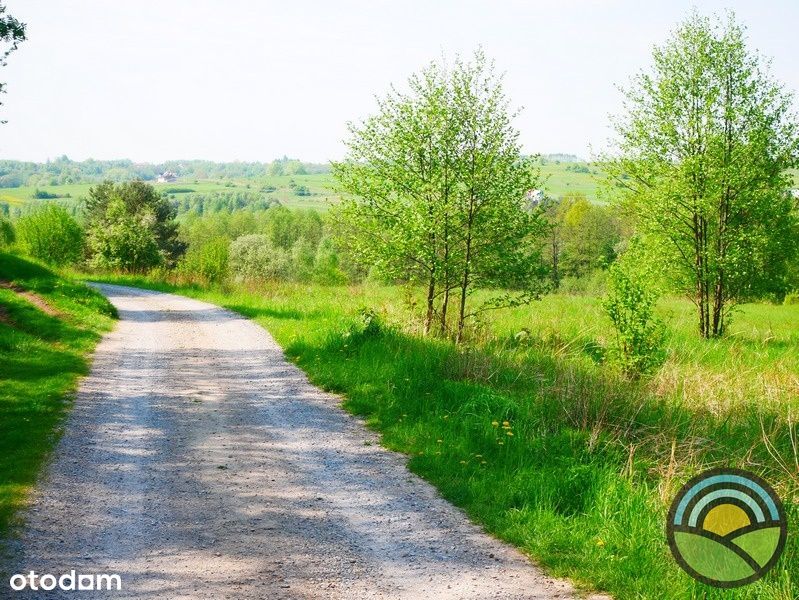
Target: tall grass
(542, 443)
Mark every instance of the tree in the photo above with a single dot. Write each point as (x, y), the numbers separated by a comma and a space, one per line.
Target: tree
(398, 175)
(704, 152)
(590, 233)
(143, 207)
(12, 32)
(7, 234)
(124, 240)
(50, 234)
(436, 185)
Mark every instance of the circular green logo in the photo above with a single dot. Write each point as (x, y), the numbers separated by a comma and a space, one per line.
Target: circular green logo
(727, 527)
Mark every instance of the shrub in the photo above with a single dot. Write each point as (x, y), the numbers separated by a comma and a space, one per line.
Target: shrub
(327, 270)
(253, 257)
(792, 298)
(50, 234)
(208, 261)
(639, 346)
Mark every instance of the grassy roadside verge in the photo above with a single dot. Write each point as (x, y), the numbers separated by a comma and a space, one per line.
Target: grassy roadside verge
(542, 447)
(48, 326)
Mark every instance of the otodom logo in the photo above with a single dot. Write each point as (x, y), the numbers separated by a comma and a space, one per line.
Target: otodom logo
(727, 528)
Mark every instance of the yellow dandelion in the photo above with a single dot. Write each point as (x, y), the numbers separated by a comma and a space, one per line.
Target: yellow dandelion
(600, 543)
(506, 423)
(482, 462)
(440, 441)
(495, 423)
(463, 462)
(508, 433)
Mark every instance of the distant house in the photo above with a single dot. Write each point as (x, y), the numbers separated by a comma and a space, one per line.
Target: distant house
(167, 177)
(534, 197)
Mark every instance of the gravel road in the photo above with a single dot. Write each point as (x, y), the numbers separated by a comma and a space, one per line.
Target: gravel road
(198, 463)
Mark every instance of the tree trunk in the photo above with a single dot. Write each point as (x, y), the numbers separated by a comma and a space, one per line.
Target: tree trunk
(555, 259)
(718, 307)
(465, 279)
(702, 283)
(462, 310)
(445, 262)
(431, 295)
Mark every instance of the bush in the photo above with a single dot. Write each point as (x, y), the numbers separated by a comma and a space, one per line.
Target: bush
(792, 298)
(50, 234)
(208, 261)
(253, 258)
(639, 347)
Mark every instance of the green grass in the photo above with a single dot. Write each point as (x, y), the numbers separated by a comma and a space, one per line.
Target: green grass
(320, 187)
(559, 180)
(41, 358)
(581, 475)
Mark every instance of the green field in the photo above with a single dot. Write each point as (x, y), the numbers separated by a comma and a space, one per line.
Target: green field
(319, 186)
(537, 439)
(48, 326)
(559, 179)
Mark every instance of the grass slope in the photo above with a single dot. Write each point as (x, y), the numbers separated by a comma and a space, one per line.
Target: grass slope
(541, 443)
(48, 326)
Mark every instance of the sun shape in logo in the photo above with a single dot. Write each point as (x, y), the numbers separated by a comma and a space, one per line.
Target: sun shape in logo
(727, 528)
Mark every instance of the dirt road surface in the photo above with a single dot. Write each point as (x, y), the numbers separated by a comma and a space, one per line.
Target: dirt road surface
(198, 463)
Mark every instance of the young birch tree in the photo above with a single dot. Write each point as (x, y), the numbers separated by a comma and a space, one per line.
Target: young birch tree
(704, 152)
(435, 186)
(398, 181)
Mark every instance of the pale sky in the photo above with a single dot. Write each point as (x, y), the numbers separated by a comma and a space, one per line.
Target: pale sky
(229, 80)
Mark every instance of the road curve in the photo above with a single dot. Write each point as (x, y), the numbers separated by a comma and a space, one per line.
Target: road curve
(198, 463)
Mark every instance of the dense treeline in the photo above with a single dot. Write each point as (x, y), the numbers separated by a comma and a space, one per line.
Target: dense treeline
(216, 202)
(61, 171)
(132, 227)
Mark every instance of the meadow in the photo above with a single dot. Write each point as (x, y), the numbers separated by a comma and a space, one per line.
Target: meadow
(319, 188)
(559, 178)
(528, 430)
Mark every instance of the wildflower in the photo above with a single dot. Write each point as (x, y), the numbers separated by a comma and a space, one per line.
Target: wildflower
(463, 462)
(494, 424)
(600, 543)
(440, 441)
(509, 433)
(506, 423)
